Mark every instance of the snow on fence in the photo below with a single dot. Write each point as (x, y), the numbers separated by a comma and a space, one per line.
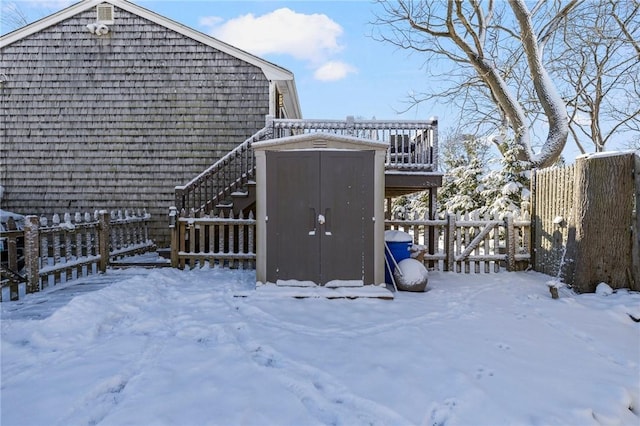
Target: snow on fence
(454, 243)
(58, 251)
(197, 239)
(462, 243)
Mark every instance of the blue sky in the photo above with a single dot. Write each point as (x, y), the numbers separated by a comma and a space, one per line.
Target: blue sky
(339, 69)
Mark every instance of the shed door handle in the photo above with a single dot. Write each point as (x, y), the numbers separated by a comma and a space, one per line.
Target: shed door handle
(312, 221)
(327, 221)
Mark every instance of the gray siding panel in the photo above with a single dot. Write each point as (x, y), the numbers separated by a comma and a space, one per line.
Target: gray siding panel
(118, 121)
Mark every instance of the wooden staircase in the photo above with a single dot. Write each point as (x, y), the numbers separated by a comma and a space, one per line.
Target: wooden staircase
(228, 186)
(240, 202)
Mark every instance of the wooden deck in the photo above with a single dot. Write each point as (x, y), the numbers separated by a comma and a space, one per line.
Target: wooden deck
(411, 162)
(401, 182)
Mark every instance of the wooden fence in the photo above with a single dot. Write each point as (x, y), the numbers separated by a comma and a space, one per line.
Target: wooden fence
(470, 244)
(197, 240)
(455, 243)
(585, 221)
(552, 191)
(58, 251)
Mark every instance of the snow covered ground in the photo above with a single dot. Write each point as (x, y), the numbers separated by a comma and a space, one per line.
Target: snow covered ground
(170, 347)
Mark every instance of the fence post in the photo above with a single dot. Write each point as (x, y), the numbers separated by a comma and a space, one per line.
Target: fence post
(12, 245)
(31, 253)
(351, 128)
(534, 227)
(511, 244)
(449, 242)
(173, 222)
(104, 234)
(269, 125)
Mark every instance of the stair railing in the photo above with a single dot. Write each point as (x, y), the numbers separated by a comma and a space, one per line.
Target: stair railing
(413, 146)
(213, 186)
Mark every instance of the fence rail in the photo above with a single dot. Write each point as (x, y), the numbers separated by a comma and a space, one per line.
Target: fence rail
(196, 241)
(465, 244)
(58, 251)
(454, 243)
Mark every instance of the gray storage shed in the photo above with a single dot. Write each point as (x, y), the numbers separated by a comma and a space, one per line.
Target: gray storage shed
(320, 209)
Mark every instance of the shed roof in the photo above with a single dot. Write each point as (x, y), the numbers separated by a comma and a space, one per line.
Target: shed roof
(319, 140)
(281, 77)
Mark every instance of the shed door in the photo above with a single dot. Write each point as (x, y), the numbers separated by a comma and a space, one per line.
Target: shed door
(320, 215)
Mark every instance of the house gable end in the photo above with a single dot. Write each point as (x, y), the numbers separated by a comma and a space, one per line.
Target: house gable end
(271, 71)
(117, 121)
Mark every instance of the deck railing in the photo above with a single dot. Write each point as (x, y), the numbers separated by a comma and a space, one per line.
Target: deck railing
(412, 143)
(413, 146)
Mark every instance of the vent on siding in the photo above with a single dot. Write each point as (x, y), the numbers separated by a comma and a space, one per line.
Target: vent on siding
(104, 13)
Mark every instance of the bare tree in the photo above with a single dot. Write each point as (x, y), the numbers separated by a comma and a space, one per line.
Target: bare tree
(489, 43)
(12, 17)
(596, 60)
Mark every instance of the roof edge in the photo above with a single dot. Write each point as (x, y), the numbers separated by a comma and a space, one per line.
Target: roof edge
(270, 70)
(321, 136)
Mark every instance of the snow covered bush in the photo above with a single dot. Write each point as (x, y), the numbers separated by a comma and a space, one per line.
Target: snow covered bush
(462, 187)
(505, 188)
(474, 185)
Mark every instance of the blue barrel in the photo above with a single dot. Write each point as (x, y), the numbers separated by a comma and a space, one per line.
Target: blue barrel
(399, 244)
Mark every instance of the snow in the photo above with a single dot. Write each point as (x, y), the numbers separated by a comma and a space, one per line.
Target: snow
(604, 289)
(393, 236)
(510, 188)
(605, 154)
(5, 215)
(169, 347)
(411, 275)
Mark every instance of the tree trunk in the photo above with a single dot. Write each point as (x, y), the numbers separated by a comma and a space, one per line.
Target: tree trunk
(553, 105)
(603, 248)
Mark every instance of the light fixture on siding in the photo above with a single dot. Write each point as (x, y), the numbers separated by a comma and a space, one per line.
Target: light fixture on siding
(104, 17)
(98, 28)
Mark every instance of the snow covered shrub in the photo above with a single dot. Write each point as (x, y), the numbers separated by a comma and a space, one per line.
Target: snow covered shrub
(400, 208)
(470, 186)
(465, 160)
(461, 190)
(505, 189)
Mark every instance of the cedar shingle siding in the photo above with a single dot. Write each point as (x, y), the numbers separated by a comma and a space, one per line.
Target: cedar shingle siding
(118, 121)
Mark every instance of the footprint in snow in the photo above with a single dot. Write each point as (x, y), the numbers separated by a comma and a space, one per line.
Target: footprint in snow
(441, 414)
(503, 346)
(481, 372)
